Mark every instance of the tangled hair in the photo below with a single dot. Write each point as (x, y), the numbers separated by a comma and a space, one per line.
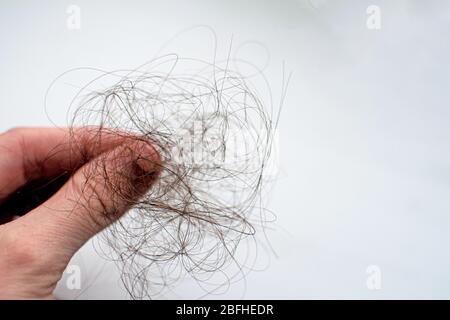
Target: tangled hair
(214, 135)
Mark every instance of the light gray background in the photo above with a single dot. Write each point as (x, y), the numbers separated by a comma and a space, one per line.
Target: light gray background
(364, 134)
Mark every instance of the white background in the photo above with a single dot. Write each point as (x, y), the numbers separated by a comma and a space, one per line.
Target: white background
(364, 133)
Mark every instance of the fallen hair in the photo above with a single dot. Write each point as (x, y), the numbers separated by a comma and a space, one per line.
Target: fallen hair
(214, 134)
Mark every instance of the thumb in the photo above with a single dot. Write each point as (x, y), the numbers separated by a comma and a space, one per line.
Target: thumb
(97, 194)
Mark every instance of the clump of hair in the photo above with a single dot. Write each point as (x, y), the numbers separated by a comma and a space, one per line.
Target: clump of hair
(214, 135)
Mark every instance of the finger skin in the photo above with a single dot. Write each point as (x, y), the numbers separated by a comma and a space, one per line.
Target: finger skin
(32, 153)
(36, 248)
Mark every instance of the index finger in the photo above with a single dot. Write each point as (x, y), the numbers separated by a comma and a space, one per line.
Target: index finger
(33, 153)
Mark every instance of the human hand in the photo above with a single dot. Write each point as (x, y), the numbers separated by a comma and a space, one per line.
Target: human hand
(111, 172)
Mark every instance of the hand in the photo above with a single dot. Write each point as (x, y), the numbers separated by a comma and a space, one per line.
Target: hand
(111, 172)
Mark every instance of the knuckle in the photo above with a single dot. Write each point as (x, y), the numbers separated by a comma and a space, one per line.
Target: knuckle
(25, 261)
(14, 132)
(20, 251)
(12, 140)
